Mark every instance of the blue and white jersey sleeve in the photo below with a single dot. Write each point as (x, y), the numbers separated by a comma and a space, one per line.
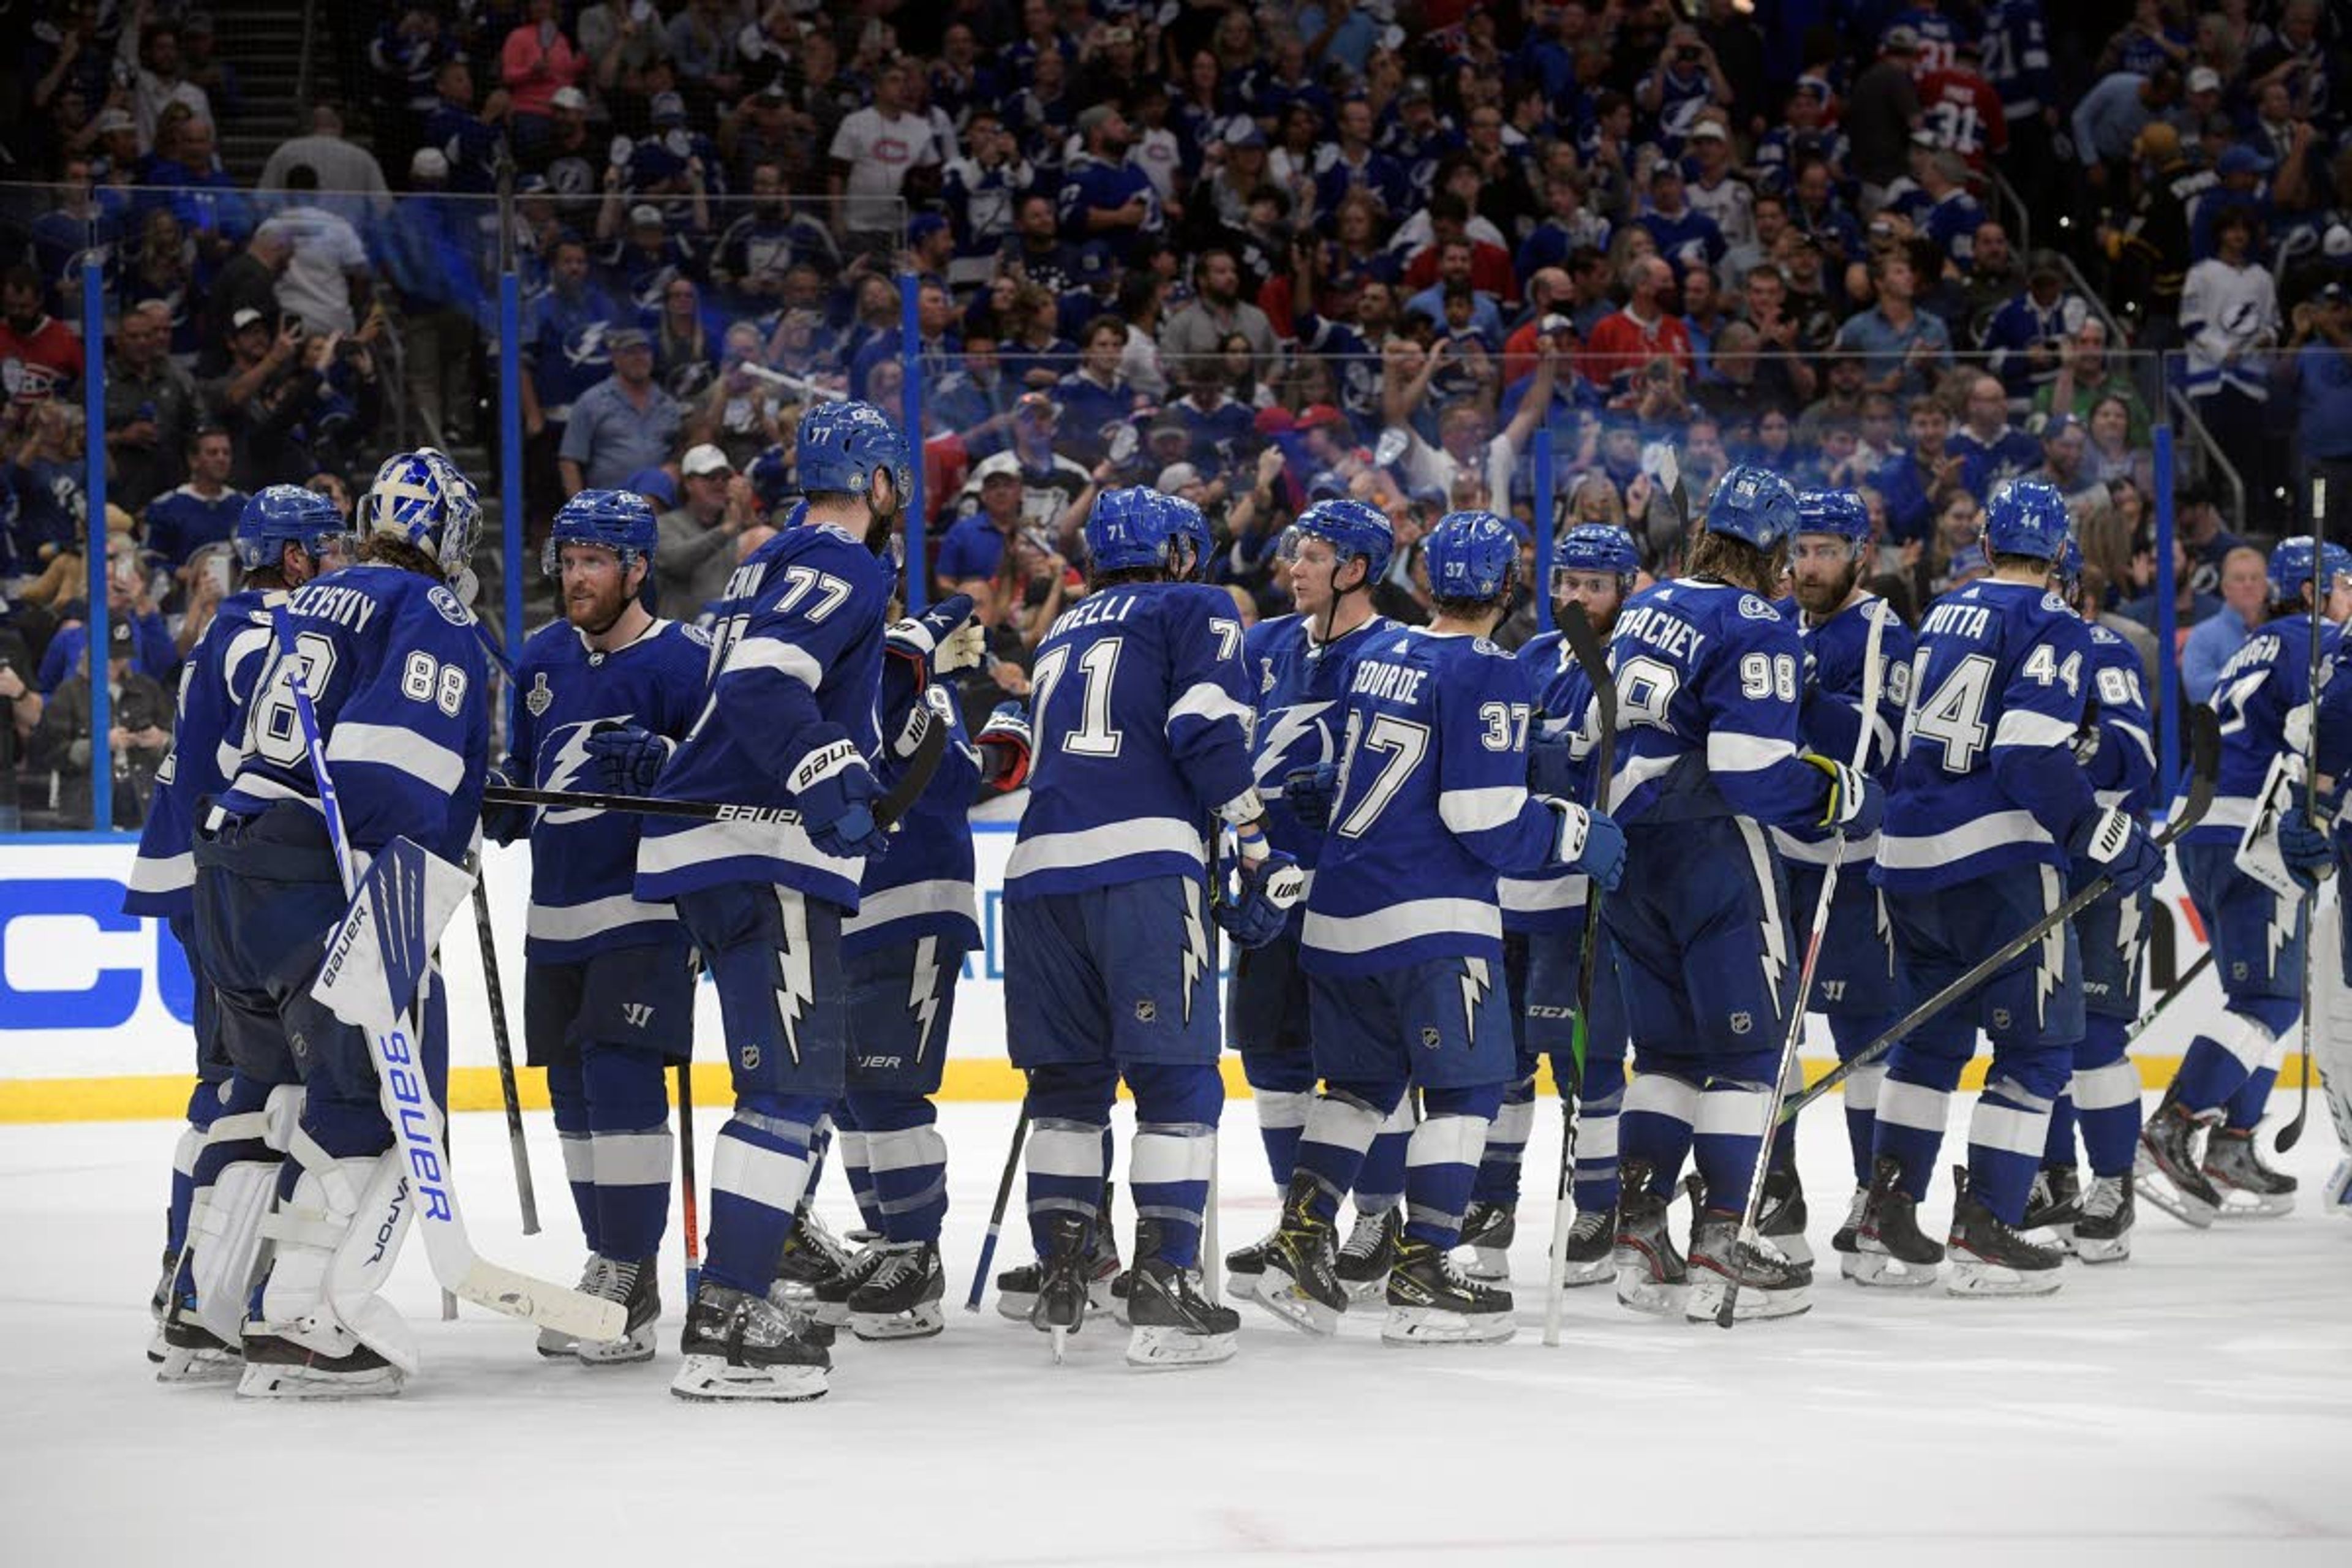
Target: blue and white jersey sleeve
(1748, 709)
(208, 737)
(1829, 714)
(1562, 745)
(811, 610)
(2041, 710)
(1210, 714)
(2122, 772)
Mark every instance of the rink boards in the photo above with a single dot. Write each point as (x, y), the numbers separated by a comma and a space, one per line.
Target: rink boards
(94, 1004)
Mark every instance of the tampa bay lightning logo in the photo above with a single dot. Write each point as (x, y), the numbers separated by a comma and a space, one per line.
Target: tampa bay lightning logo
(584, 347)
(566, 751)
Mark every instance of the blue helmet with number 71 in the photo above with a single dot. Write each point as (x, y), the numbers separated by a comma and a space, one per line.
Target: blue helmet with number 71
(1128, 529)
(2028, 518)
(1471, 555)
(620, 520)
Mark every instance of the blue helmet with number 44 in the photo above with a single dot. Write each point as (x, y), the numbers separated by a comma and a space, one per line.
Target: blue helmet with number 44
(1472, 556)
(620, 520)
(2028, 518)
(1753, 504)
(278, 515)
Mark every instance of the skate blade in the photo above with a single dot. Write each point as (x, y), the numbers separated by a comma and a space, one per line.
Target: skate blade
(832, 1314)
(1413, 1326)
(1596, 1271)
(1883, 1271)
(2114, 1250)
(561, 1348)
(1969, 1278)
(626, 1350)
(181, 1367)
(1707, 1290)
(1015, 1304)
(2153, 1186)
(1174, 1349)
(270, 1381)
(709, 1379)
(877, 1328)
(1637, 1289)
(1061, 1340)
(1365, 1289)
(2238, 1204)
(1295, 1309)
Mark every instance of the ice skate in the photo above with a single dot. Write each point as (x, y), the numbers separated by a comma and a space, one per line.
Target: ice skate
(829, 1302)
(1489, 1230)
(739, 1346)
(1173, 1325)
(1065, 1279)
(1843, 1241)
(1993, 1257)
(159, 1306)
(1781, 1219)
(1016, 1288)
(633, 1285)
(1301, 1282)
(2248, 1188)
(2056, 1205)
(554, 1343)
(292, 1366)
(2103, 1233)
(1371, 1251)
(1651, 1274)
(1890, 1250)
(1771, 1284)
(191, 1353)
(2169, 1173)
(1244, 1264)
(809, 1256)
(899, 1298)
(1433, 1301)
(1591, 1240)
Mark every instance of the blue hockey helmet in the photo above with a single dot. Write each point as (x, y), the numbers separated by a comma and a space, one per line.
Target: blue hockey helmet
(1754, 504)
(2026, 516)
(1471, 555)
(420, 499)
(1128, 529)
(1841, 512)
(278, 515)
(1600, 548)
(2290, 567)
(1355, 530)
(841, 444)
(620, 520)
(1187, 524)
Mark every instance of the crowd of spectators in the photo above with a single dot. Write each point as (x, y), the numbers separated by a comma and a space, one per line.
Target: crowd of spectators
(1257, 254)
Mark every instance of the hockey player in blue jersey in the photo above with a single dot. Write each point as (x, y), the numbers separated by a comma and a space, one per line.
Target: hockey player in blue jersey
(395, 669)
(1859, 984)
(786, 728)
(1709, 759)
(1403, 937)
(597, 700)
(283, 537)
(2118, 756)
(1332, 554)
(2198, 1144)
(1991, 818)
(1142, 719)
(1543, 943)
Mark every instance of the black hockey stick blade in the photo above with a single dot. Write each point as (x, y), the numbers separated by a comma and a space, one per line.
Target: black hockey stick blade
(917, 776)
(2205, 765)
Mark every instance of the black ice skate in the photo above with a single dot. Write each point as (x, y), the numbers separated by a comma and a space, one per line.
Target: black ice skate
(2102, 1234)
(1301, 1282)
(632, 1285)
(2249, 1189)
(190, 1353)
(739, 1346)
(1991, 1257)
(1065, 1278)
(1365, 1261)
(159, 1305)
(1244, 1264)
(2171, 1173)
(899, 1298)
(1651, 1274)
(1489, 1230)
(1592, 1239)
(809, 1257)
(1016, 1288)
(2055, 1203)
(1891, 1252)
(554, 1343)
(1771, 1284)
(1844, 1240)
(1432, 1301)
(829, 1302)
(1173, 1325)
(1781, 1219)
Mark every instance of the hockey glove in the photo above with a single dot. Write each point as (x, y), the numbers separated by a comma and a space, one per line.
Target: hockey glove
(1589, 842)
(837, 794)
(936, 706)
(628, 756)
(505, 824)
(938, 639)
(1551, 757)
(1270, 886)
(1004, 747)
(2113, 844)
(2086, 745)
(1855, 802)
(2309, 855)
(1311, 792)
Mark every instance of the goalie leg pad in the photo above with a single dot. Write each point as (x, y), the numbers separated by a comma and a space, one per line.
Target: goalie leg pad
(226, 1220)
(338, 1232)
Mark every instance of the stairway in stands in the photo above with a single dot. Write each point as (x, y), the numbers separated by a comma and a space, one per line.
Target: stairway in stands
(262, 39)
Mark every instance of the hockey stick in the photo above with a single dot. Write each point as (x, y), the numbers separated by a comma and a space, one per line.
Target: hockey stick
(996, 1215)
(420, 1123)
(889, 809)
(1872, 682)
(505, 1048)
(685, 1178)
(2171, 995)
(2205, 760)
(1576, 630)
(2292, 1133)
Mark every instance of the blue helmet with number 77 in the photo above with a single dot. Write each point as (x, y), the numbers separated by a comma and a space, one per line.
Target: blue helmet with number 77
(2028, 518)
(620, 520)
(840, 444)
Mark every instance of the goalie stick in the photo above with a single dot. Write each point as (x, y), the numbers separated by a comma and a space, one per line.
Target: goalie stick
(1873, 678)
(461, 1270)
(2205, 760)
(1576, 630)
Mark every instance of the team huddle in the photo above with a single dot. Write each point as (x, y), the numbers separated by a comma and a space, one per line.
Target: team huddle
(1637, 851)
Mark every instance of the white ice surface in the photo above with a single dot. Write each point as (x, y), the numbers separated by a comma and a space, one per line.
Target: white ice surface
(2193, 1404)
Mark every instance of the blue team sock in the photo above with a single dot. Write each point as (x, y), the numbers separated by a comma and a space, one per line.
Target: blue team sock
(1596, 1147)
(1177, 1107)
(630, 1146)
(857, 1164)
(1442, 1161)
(1068, 1157)
(1910, 1128)
(1339, 1131)
(2007, 1135)
(1281, 1119)
(2105, 1097)
(567, 1093)
(1656, 1126)
(1862, 1092)
(2253, 1096)
(2058, 1145)
(1381, 1179)
(760, 1168)
(1506, 1147)
(907, 1163)
(1728, 1139)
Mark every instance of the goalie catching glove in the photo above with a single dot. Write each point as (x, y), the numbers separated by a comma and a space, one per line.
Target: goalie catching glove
(1271, 885)
(2113, 844)
(1855, 801)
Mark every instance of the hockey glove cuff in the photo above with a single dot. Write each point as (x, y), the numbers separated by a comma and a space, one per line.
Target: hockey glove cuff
(2305, 847)
(1310, 792)
(1588, 842)
(836, 792)
(2116, 845)
(1854, 803)
(628, 756)
(1004, 748)
(1269, 888)
(505, 824)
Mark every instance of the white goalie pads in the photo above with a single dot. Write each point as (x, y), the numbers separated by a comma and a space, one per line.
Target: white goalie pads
(224, 1223)
(2331, 1042)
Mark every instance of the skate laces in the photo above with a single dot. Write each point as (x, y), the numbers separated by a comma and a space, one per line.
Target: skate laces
(595, 1277)
(2106, 1198)
(1854, 1207)
(619, 1279)
(812, 1234)
(1370, 1233)
(894, 1264)
(1590, 1223)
